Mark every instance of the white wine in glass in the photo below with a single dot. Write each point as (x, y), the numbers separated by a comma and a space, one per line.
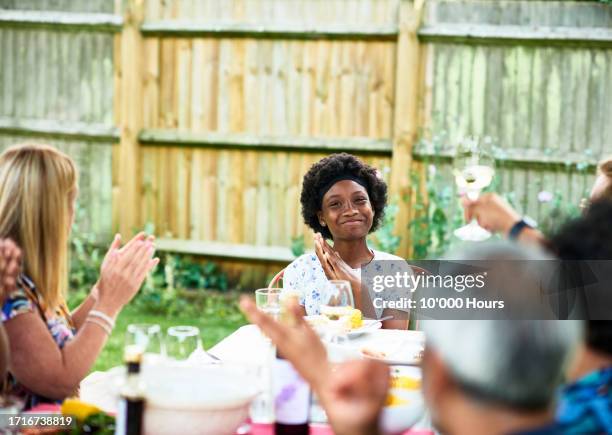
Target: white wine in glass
(337, 304)
(473, 168)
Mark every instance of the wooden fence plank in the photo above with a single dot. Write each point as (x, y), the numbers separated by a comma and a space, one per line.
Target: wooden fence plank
(481, 33)
(58, 129)
(406, 101)
(262, 142)
(185, 28)
(129, 60)
(96, 22)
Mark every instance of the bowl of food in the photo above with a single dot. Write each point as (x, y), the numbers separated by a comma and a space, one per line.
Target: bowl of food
(204, 399)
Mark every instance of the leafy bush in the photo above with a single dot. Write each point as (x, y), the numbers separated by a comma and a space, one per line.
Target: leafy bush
(86, 256)
(179, 284)
(297, 245)
(436, 216)
(385, 239)
(558, 212)
(436, 213)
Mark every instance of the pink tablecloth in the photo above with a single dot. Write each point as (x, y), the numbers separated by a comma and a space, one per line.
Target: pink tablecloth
(318, 429)
(256, 429)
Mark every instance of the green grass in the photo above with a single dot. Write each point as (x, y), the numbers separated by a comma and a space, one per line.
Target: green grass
(213, 328)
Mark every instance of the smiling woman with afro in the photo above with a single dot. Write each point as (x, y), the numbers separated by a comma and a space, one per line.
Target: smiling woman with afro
(343, 200)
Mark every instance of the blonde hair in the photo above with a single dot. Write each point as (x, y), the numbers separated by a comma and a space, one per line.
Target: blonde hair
(37, 185)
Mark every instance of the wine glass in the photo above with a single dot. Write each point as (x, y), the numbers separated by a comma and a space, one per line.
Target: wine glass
(182, 341)
(337, 304)
(473, 167)
(144, 338)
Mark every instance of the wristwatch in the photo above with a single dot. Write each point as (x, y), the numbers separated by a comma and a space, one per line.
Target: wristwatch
(525, 222)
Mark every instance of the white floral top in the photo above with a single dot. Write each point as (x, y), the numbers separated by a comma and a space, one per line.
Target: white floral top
(306, 276)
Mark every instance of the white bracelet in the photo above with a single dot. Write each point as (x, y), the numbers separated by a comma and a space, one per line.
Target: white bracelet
(108, 319)
(100, 324)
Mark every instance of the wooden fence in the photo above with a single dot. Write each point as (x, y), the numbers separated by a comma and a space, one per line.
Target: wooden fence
(201, 116)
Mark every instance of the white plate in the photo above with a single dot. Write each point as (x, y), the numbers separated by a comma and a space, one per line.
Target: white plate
(368, 326)
(400, 353)
(320, 322)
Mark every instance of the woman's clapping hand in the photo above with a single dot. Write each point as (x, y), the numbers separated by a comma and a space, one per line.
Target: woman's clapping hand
(333, 265)
(124, 270)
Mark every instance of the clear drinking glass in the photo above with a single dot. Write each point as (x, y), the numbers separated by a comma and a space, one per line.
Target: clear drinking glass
(474, 168)
(182, 341)
(144, 338)
(337, 304)
(261, 410)
(268, 300)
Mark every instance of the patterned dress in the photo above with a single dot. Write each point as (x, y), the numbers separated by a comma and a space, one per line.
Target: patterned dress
(585, 407)
(25, 299)
(306, 276)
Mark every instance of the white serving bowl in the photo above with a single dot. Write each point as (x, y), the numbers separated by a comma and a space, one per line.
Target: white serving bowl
(204, 400)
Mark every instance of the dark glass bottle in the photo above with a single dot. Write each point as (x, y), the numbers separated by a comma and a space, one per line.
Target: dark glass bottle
(132, 400)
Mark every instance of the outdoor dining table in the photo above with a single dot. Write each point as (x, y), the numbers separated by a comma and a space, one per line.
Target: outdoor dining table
(246, 345)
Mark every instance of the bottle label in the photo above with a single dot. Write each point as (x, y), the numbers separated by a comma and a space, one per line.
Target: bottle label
(291, 394)
(120, 420)
(129, 418)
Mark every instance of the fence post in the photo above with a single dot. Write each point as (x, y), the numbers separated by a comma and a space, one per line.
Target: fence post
(406, 114)
(129, 118)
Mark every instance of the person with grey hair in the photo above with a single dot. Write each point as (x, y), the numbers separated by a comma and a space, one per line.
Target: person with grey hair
(500, 374)
(496, 376)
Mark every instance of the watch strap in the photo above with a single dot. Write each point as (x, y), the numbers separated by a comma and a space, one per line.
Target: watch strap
(517, 228)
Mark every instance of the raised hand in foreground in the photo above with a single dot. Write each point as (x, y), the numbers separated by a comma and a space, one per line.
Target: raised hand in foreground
(352, 393)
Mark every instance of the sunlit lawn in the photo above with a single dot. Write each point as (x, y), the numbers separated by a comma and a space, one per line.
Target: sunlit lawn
(212, 329)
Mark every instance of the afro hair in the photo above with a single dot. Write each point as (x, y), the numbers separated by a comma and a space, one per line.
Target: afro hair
(336, 165)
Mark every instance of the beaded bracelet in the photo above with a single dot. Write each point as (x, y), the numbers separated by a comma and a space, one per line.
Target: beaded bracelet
(100, 324)
(108, 319)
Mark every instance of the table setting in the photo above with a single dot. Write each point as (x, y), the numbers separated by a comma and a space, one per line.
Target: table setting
(227, 388)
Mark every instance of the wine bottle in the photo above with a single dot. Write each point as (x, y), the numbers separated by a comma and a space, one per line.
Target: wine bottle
(132, 399)
(291, 399)
(291, 392)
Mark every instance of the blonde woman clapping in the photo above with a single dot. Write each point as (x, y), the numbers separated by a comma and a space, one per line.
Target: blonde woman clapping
(51, 349)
